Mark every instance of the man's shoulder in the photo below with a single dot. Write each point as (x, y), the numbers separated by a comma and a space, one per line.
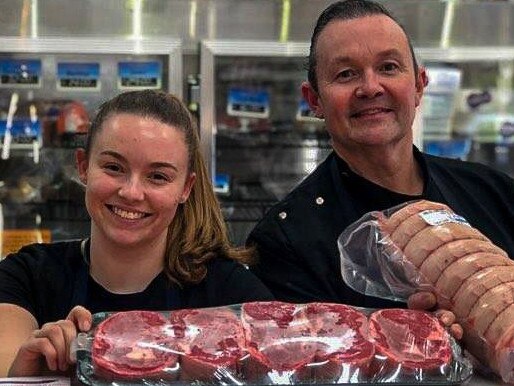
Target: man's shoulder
(226, 282)
(464, 170)
(315, 184)
(303, 202)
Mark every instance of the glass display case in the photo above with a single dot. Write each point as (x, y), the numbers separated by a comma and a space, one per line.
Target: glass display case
(261, 140)
(49, 90)
(468, 108)
(258, 134)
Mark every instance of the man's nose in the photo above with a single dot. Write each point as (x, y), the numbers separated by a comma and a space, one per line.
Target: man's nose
(370, 86)
(132, 189)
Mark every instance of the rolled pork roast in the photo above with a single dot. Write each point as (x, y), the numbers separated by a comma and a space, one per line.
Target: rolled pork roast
(469, 274)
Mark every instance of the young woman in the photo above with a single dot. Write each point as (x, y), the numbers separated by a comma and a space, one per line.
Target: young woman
(158, 240)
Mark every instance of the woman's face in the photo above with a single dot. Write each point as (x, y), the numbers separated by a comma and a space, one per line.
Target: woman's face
(136, 176)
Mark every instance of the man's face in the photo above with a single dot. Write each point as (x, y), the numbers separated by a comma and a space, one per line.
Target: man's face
(367, 89)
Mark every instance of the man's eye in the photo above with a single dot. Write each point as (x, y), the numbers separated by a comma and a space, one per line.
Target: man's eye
(346, 74)
(390, 67)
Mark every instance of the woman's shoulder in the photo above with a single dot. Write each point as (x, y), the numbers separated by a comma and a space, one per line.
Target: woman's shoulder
(56, 253)
(220, 267)
(233, 282)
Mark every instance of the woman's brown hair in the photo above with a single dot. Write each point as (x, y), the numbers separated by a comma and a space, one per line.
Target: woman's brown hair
(198, 232)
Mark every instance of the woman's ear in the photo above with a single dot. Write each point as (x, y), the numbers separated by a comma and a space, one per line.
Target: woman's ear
(190, 181)
(82, 165)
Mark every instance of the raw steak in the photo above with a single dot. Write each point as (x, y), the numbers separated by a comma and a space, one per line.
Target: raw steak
(133, 345)
(279, 340)
(414, 339)
(342, 332)
(211, 340)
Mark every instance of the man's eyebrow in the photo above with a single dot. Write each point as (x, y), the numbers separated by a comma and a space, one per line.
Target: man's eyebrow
(393, 52)
(342, 59)
(118, 156)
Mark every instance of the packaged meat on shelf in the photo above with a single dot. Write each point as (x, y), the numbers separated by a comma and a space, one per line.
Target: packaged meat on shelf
(265, 343)
(424, 245)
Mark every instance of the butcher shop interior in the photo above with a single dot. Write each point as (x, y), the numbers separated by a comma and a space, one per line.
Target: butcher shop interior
(238, 65)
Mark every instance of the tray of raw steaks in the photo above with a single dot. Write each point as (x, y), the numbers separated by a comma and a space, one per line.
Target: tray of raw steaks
(264, 343)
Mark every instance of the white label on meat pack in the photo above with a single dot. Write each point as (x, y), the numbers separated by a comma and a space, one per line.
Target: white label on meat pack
(438, 217)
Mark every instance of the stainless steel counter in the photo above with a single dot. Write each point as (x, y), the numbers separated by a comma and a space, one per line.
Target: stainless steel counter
(479, 380)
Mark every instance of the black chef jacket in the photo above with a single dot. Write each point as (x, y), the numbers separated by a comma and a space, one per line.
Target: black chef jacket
(297, 239)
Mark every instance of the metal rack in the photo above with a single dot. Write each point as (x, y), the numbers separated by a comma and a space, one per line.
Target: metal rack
(46, 195)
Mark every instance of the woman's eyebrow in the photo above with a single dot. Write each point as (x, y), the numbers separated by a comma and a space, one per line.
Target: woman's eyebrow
(158, 164)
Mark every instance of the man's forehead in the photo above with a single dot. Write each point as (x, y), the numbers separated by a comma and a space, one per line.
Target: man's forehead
(366, 27)
(379, 33)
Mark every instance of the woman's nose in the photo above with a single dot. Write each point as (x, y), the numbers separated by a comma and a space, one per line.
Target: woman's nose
(132, 190)
(370, 86)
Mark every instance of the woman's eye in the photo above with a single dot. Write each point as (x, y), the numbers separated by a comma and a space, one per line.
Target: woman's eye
(160, 177)
(113, 167)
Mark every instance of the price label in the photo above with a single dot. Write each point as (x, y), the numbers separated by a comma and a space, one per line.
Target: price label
(78, 76)
(20, 73)
(23, 131)
(440, 217)
(222, 183)
(248, 103)
(139, 75)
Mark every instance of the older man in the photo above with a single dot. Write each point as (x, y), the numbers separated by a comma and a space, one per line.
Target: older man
(364, 81)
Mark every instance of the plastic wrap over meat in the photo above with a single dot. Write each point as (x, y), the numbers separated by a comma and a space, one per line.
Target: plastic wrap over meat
(265, 343)
(426, 246)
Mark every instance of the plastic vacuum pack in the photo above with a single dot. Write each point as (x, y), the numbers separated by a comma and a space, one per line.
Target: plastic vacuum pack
(425, 246)
(265, 343)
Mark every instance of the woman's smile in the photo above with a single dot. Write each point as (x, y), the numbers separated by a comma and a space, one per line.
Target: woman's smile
(127, 214)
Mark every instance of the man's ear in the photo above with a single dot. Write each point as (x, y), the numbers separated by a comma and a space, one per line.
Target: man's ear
(311, 97)
(421, 83)
(82, 164)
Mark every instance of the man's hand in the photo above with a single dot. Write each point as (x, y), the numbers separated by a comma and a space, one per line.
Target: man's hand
(52, 343)
(427, 301)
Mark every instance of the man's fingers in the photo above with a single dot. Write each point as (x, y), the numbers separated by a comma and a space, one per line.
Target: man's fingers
(422, 301)
(81, 317)
(447, 318)
(456, 331)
